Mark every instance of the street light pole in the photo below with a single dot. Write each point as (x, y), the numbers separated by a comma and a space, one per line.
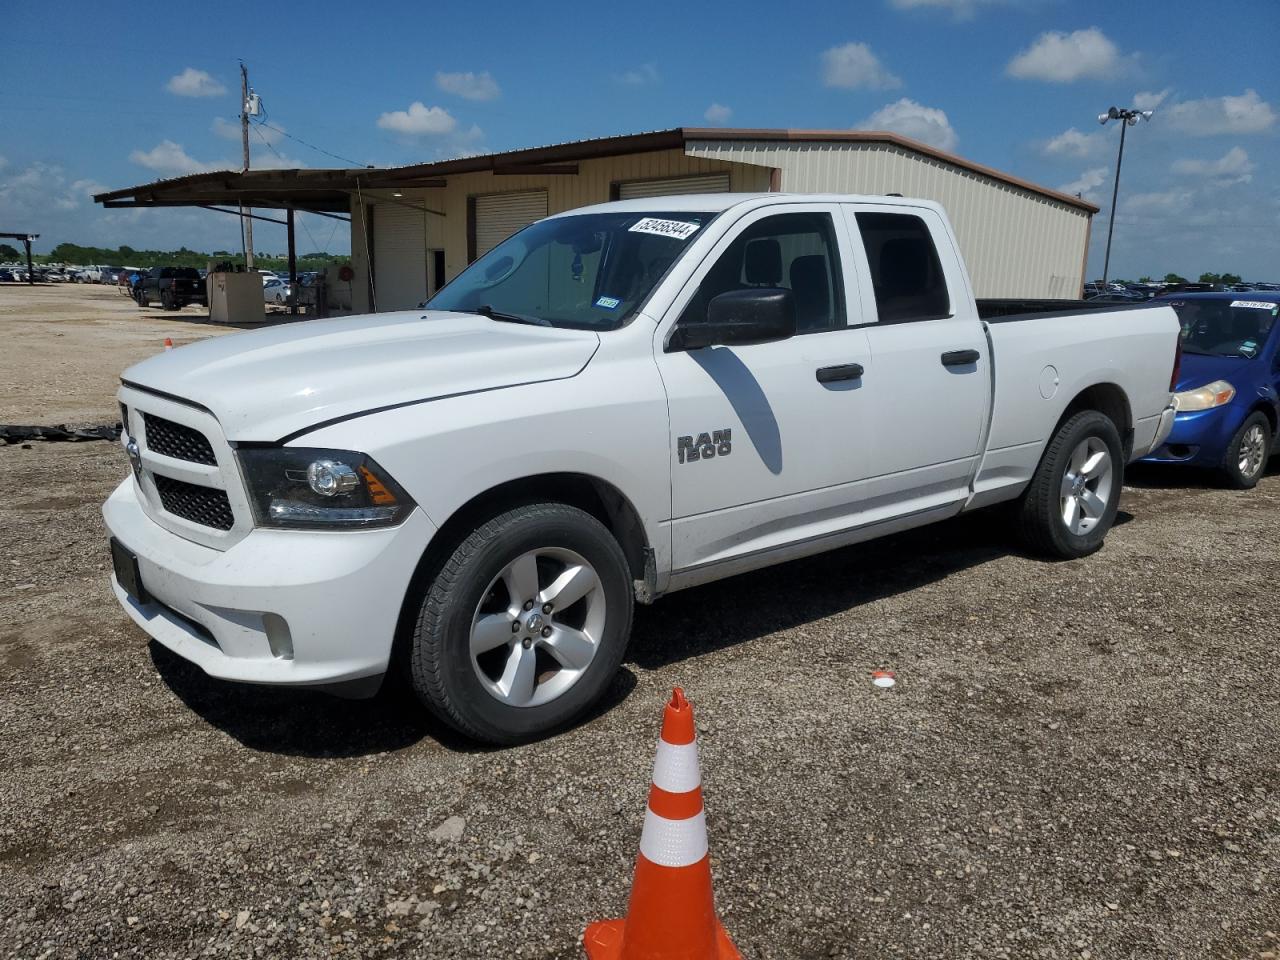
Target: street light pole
(1127, 118)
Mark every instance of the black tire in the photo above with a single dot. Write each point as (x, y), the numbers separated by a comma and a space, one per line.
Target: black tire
(1233, 474)
(143, 299)
(1041, 524)
(441, 669)
(166, 301)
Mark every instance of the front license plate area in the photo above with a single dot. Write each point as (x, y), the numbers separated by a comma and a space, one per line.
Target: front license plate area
(125, 565)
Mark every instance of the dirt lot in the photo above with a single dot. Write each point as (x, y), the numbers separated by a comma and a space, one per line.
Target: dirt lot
(1081, 759)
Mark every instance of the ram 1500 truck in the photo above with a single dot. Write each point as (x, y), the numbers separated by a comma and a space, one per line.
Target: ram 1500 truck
(613, 404)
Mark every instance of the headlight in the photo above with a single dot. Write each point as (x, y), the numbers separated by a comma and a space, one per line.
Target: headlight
(1204, 398)
(320, 489)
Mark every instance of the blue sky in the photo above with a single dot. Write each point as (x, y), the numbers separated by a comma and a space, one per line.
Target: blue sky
(98, 100)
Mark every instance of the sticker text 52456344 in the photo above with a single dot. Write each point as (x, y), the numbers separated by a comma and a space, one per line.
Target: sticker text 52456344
(677, 229)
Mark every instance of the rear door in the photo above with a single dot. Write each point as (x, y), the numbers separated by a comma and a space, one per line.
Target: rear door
(929, 374)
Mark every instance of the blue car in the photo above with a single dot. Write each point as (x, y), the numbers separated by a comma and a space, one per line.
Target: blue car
(1228, 407)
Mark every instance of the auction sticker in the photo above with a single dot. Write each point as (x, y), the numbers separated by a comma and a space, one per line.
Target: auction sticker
(609, 303)
(677, 229)
(1251, 304)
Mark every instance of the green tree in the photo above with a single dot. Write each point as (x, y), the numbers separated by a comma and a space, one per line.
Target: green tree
(1232, 278)
(1145, 280)
(1210, 278)
(1174, 278)
(9, 253)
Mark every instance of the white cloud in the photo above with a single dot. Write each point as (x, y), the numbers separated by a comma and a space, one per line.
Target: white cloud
(230, 130)
(1072, 143)
(1213, 116)
(171, 160)
(419, 120)
(469, 86)
(1147, 100)
(1086, 183)
(1066, 57)
(718, 114)
(194, 83)
(1157, 202)
(926, 124)
(854, 67)
(1232, 167)
(960, 9)
(640, 76)
(43, 188)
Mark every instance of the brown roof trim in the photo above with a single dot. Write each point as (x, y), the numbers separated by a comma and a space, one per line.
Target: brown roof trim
(674, 139)
(883, 136)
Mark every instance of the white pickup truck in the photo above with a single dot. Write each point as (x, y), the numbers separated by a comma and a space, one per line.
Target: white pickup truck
(613, 404)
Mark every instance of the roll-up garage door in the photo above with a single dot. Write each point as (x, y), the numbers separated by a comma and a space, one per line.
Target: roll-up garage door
(499, 215)
(635, 189)
(399, 256)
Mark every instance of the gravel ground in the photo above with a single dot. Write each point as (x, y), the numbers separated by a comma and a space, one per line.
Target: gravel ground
(1080, 759)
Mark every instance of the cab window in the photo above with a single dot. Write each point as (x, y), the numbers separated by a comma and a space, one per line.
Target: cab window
(794, 251)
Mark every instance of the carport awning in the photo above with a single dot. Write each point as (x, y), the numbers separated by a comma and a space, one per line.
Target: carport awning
(318, 191)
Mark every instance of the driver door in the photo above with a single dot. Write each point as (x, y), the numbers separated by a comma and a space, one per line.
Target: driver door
(768, 440)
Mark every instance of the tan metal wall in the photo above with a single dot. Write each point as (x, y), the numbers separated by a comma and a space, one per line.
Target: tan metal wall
(564, 192)
(1016, 243)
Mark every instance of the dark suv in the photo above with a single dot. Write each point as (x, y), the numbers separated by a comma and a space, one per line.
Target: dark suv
(174, 287)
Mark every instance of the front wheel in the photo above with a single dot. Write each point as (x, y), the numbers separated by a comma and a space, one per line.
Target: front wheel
(525, 625)
(1075, 492)
(1248, 452)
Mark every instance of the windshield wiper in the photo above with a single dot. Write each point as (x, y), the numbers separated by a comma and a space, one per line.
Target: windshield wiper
(487, 310)
(1198, 353)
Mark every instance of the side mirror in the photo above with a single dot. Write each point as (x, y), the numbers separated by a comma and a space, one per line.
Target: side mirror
(740, 317)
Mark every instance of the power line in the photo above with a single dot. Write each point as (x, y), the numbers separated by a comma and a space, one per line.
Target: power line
(312, 146)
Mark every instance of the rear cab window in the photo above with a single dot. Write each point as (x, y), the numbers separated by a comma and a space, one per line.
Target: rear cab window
(906, 274)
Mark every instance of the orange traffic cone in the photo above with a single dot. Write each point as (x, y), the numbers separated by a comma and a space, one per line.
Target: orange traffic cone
(168, 343)
(671, 915)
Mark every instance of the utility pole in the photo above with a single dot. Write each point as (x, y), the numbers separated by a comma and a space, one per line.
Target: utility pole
(1127, 118)
(246, 221)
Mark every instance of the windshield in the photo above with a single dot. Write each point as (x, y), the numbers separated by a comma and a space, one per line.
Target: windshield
(590, 271)
(1225, 328)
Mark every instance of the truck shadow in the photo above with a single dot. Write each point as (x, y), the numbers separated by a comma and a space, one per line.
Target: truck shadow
(309, 723)
(744, 608)
(685, 625)
(1158, 476)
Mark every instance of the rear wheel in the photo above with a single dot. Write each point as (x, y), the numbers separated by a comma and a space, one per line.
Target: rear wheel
(1075, 492)
(525, 625)
(166, 300)
(1248, 452)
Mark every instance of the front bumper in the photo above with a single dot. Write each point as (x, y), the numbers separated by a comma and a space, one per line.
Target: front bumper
(307, 608)
(1198, 437)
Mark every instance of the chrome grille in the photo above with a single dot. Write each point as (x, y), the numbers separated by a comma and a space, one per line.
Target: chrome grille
(178, 441)
(207, 506)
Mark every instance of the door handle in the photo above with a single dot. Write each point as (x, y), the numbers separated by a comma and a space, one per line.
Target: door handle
(960, 358)
(845, 371)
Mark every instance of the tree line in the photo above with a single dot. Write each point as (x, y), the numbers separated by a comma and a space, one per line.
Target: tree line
(126, 256)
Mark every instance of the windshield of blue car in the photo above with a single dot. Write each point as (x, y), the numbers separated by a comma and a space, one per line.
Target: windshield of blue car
(589, 271)
(1225, 328)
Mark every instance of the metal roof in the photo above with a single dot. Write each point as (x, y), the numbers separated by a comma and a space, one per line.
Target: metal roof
(330, 189)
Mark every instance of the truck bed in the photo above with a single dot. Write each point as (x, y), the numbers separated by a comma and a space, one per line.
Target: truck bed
(1020, 308)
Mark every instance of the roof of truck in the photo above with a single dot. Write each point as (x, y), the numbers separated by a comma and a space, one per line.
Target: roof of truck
(719, 202)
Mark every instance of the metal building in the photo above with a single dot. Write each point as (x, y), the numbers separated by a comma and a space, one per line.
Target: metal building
(414, 227)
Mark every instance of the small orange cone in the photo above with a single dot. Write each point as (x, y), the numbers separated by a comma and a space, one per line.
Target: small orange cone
(168, 343)
(672, 915)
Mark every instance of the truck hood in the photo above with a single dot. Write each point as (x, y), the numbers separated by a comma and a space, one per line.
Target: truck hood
(1198, 369)
(265, 385)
